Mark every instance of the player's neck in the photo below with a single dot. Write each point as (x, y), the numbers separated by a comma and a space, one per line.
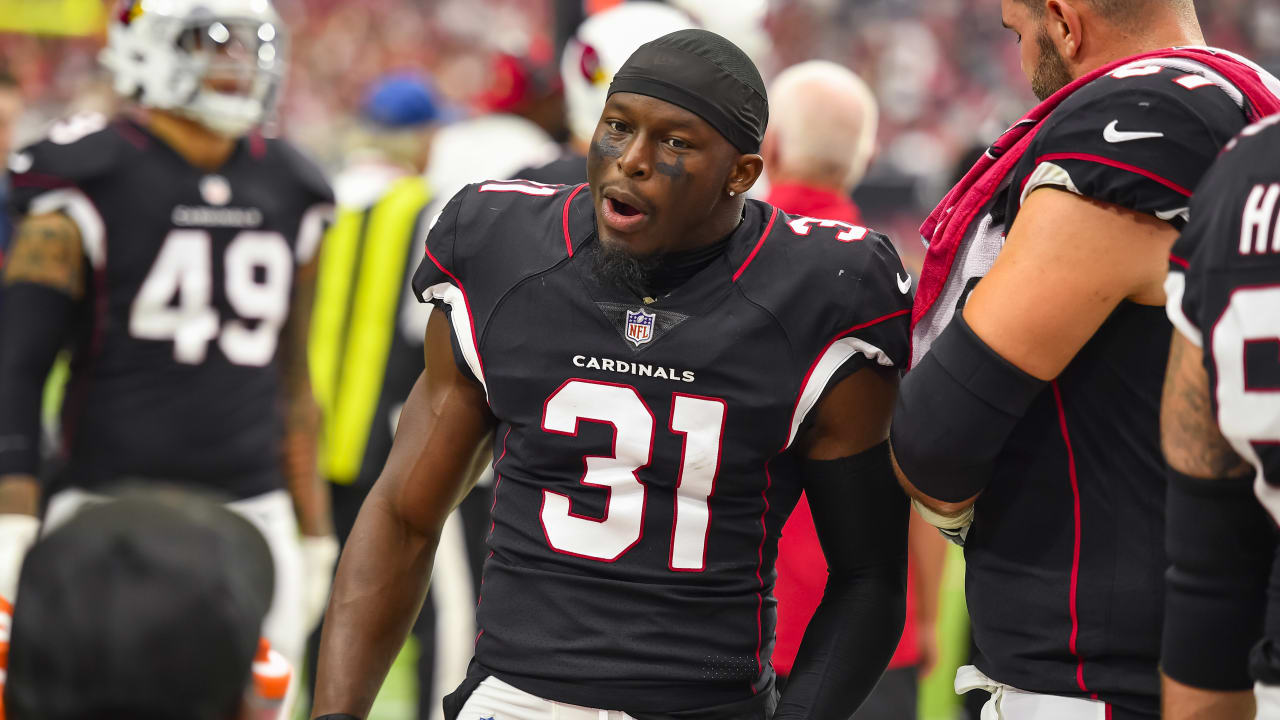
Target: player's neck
(198, 145)
(1172, 32)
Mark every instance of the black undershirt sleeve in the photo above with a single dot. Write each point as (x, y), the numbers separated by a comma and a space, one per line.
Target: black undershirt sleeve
(861, 517)
(33, 322)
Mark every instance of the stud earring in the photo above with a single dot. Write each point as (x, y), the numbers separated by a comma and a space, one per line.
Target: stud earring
(732, 193)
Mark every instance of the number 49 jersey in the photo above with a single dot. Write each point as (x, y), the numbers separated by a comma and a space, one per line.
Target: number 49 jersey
(642, 463)
(1224, 296)
(189, 282)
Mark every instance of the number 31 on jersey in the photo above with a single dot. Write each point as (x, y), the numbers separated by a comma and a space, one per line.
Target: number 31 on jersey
(700, 420)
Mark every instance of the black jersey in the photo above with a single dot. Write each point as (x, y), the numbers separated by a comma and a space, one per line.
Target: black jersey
(1224, 296)
(1065, 558)
(189, 278)
(641, 449)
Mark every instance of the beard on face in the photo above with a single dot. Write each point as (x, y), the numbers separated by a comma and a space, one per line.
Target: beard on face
(614, 264)
(1051, 73)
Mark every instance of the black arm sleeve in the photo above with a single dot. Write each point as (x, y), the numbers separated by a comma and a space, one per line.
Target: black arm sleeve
(954, 413)
(1220, 543)
(861, 517)
(33, 320)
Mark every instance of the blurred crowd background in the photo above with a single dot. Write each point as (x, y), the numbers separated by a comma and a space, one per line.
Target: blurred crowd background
(945, 72)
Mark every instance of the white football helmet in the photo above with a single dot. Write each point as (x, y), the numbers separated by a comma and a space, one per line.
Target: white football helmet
(219, 62)
(600, 47)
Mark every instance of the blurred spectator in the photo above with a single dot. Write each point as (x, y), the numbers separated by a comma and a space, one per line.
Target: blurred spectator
(590, 59)
(822, 133)
(147, 607)
(11, 108)
(820, 140)
(362, 363)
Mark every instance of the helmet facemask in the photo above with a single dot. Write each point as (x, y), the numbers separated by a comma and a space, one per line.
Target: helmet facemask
(236, 68)
(223, 70)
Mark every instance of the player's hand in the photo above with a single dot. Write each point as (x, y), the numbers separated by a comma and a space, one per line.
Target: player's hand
(953, 527)
(319, 557)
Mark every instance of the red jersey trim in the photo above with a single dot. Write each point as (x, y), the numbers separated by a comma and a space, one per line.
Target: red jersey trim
(1075, 551)
(1086, 157)
(759, 244)
(568, 242)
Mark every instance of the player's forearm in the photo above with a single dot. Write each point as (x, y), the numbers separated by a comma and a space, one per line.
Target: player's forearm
(848, 643)
(861, 520)
(1189, 433)
(309, 491)
(1183, 702)
(928, 552)
(302, 419)
(31, 333)
(954, 413)
(377, 593)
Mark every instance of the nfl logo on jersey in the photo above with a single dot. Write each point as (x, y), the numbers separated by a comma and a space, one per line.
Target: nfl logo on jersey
(639, 326)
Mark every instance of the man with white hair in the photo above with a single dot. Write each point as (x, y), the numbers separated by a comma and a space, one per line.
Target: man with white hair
(820, 140)
(587, 65)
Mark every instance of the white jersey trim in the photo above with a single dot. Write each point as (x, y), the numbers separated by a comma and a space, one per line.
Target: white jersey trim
(77, 206)
(1048, 174)
(1175, 288)
(310, 229)
(840, 352)
(460, 318)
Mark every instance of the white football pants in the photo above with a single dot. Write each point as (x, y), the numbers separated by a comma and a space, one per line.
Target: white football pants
(496, 700)
(1010, 703)
(1268, 698)
(272, 513)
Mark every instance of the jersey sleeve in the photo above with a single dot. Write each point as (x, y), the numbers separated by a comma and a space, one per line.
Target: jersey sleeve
(1231, 239)
(879, 314)
(1139, 141)
(57, 174)
(857, 313)
(436, 281)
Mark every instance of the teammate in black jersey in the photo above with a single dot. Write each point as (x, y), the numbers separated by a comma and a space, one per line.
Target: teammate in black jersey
(666, 366)
(1221, 429)
(171, 251)
(1040, 398)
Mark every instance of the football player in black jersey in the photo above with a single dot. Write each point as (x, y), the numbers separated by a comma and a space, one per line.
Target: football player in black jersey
(665, 366)
(1040, 397)
(171, 251)
(1221, 430)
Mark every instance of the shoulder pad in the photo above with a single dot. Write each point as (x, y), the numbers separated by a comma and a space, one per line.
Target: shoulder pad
(496, 212)
(76, 149)
(1141, 138)
(1174, 100)
(824, 278)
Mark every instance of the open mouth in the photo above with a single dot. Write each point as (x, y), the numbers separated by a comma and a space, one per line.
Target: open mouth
(621, 215)
(622, 208)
